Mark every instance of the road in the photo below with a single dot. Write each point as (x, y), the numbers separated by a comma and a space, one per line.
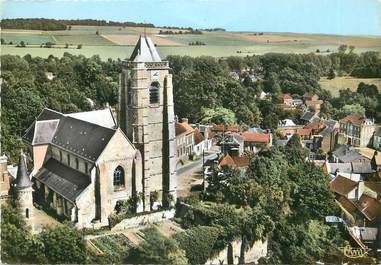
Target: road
(194, 166)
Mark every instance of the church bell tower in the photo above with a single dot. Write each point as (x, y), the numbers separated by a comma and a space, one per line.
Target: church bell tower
(146, 116)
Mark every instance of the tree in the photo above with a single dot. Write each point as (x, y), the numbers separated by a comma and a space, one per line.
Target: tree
(22, 44)
(352, 109)
(351, 48)
(79, 46)
(66, 45)
(218, 115)
(157, 249)
(367, 90)
(331, 74)
(342, 48)
(63, 244)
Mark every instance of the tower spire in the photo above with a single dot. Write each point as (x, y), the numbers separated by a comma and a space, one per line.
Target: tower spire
(22, 180)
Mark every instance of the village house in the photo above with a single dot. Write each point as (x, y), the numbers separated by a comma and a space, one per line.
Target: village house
(356, 130)
(238, 162)
(312, 102)
(255, 142)
(309, 116)
(358, 197)
(206, 133)
(185, 140)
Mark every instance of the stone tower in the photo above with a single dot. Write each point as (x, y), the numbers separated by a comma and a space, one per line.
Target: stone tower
(147, 117)
(23, 190)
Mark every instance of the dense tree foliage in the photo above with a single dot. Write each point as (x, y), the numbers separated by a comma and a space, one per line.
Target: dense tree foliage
(157, 249)
(286, 194)
(59, 244)
(26, 90)
(62, 24)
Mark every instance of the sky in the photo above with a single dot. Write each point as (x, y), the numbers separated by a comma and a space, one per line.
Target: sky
(344, 17)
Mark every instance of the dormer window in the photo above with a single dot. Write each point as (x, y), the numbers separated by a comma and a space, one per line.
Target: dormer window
(154, 92)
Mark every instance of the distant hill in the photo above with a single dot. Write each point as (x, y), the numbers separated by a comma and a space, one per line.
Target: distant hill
(62, 24)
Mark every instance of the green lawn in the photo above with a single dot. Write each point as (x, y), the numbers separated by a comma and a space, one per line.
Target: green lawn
(30, 38)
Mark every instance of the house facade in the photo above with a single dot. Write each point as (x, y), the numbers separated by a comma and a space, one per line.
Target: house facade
(356, 130)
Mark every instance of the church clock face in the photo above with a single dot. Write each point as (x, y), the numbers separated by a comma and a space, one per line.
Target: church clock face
(155, 74)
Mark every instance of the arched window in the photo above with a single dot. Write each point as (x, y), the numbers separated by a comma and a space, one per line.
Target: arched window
(154, 91)
(27, 213)
(118, 177)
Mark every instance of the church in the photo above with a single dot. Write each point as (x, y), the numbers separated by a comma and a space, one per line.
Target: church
(84, 163)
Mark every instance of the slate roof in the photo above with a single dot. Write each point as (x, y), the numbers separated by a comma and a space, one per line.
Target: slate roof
(362, 167)
(365, 233)
(339, 167)
(342, 185)
(46, 114)
(346, 154)
(22, 180)
(101, 117)
(307, 116)
(145, 51)
(64, 180)
(82, 138)
(44, 131)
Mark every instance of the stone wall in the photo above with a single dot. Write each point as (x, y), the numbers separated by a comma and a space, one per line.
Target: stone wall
(145, 219)
(252, 255)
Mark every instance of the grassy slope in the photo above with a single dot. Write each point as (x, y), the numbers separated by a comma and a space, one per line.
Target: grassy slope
(345, 82)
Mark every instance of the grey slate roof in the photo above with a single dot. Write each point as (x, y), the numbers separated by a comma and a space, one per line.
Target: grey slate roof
(46, 114)
(332, 168)
(346, 154)
(44, 131)
(22, 180)
(145, 51)
(64, 180)
(363, 167)
(307, 116)
(82, 138)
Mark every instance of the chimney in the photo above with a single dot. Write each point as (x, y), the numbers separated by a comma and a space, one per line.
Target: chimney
(360, 189)
(184, 120)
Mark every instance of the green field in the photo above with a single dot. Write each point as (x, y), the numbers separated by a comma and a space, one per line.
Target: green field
(344, 82)
(117, 42)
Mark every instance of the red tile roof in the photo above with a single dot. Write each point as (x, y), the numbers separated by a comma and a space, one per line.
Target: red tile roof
(369, 206)
(236, 161)
(256, 137)
(373, 185)
(342, 185)
(198, 137)
(183, 127)
(284, 96)
(347, 204)
(354, 119)
(317, 125)
(303, 132)
(225, 128)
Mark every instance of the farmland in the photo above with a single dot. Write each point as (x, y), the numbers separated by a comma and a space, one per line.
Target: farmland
(114, 42)
(344, 82)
